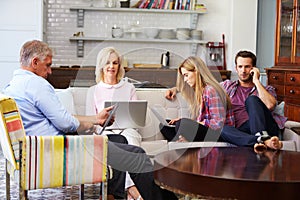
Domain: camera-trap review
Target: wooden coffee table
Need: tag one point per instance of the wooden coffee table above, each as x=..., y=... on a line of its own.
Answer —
x=230, y=173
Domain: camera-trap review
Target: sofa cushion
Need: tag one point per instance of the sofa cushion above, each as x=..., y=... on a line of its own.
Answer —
x=89, y=105
x=168, y=109
x=66, y=98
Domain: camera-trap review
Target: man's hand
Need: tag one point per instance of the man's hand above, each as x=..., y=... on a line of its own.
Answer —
x=171, y=94
x=103, y=115
x=255, y=75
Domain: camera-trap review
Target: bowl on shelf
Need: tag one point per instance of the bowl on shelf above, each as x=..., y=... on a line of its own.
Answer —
x=196, y=34
x=151, y=32
x=182, y=33
x=167, y=34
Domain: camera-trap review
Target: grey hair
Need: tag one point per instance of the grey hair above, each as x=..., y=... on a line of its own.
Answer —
x=102, y=59
x=34, y=48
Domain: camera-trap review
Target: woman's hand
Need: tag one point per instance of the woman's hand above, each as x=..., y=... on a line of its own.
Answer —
x=173, y=121
x=171, y=94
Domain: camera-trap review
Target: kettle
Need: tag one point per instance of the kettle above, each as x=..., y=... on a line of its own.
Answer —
x=165, y=60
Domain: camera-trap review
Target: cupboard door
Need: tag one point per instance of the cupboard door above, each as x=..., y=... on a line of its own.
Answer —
x=288, y=33
x=285, y=32
x=297, y=34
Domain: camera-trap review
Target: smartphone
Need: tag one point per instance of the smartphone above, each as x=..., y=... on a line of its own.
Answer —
x=251, y=75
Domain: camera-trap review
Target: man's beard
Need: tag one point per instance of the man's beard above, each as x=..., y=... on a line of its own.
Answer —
x=246, y=80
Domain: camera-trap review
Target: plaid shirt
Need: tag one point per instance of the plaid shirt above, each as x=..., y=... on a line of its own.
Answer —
x=231, y=87
x=213, y=113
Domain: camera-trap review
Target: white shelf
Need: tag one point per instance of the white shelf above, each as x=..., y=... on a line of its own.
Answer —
x=88, y=8
x=81, y=9
x=80, y=23
x=144, y=40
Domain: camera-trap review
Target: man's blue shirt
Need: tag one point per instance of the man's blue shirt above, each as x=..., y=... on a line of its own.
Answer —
x=41, y=110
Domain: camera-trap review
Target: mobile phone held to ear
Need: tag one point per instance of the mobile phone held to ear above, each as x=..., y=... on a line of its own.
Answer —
x=251, y=74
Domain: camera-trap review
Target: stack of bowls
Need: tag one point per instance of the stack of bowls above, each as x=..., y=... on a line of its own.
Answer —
x=196, y=34
x=183, y=33
x=167, y=34
x=151, y=32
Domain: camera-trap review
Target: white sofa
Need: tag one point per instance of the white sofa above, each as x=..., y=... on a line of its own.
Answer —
x=75, y=100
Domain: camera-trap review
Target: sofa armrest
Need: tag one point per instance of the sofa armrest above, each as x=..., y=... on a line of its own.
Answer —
x=291, y=124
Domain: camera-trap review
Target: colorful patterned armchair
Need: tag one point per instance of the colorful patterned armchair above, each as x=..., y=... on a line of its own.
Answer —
x=49, y=161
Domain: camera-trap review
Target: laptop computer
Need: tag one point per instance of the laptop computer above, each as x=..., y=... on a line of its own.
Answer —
x=130, y=114
x=160, y=118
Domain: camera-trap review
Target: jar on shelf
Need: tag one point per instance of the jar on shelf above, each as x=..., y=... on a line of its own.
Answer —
x=110, y=3
x=125, y=3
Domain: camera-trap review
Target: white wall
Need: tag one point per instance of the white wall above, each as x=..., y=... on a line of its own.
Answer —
x=235, y=18
x=243, y=29
x=20, y=20
x=266, y=34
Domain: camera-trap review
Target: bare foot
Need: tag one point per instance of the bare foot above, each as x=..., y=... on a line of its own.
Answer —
x=133, y=193
x=260, y=148
x=273, y=143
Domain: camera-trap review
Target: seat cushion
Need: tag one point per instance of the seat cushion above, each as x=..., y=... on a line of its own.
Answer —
x=55, y=161
x=11, y=131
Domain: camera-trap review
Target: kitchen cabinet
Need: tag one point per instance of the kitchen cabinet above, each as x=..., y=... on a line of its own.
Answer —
x=287, y=50
x=287, y=86
x=80, y=23
x=85, y=77
x=285, y=74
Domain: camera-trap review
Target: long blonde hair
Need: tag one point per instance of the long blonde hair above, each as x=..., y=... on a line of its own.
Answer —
x=203, y=77
x=102, y=59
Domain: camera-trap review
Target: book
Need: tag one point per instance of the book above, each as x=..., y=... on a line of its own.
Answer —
x=187, y=6
x=183, y=4
x=192, y=4
x=150, y=4
x=166, y=4
x=180, y=4
x=161, y=4
x=176, y=5
x=142, y=4
x=137, y=4
x=171, y=4
x=146, y=4
x=154, y=4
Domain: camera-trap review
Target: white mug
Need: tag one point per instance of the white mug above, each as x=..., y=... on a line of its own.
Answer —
x=116, y=32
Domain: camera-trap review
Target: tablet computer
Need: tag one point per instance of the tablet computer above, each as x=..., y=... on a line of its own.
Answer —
x=111, y=114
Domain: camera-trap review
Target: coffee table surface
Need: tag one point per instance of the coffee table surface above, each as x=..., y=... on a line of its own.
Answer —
x=229, y=172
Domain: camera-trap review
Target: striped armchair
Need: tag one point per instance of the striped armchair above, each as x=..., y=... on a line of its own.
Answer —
x=49, y=161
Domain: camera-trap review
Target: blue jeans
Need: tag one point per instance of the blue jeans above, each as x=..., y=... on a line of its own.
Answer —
x=260, y=119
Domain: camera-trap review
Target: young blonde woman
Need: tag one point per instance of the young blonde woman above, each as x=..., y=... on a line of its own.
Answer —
x=209, y=104
x=111, y=85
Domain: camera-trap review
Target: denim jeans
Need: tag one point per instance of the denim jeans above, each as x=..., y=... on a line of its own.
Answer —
x=260, y=119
